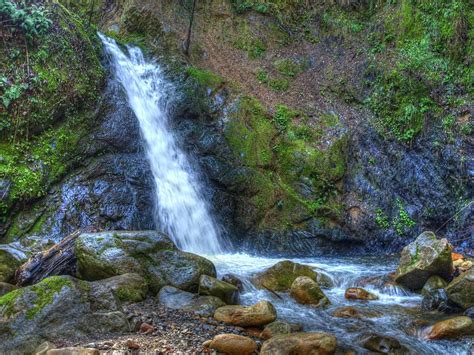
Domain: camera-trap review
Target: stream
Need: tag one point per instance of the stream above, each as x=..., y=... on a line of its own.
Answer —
x=393, y=314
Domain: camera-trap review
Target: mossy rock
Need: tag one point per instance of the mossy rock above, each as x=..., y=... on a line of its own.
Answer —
x=127, y=287
x=281, y=276
x=147, y=253
x=306, y=291
x=210, y=286
x=433, y=283
x=425, y=257
x=10, y=260
x=58, y=306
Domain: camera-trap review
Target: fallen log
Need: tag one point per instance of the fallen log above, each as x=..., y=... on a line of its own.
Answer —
x=60, y=259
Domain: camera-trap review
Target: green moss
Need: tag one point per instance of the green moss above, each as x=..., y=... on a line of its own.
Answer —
x=8, y=302
x=129, y=295
x=250, y=43
x=205, y=77
x=250, y=133
x=290, y=67
x=279, y=84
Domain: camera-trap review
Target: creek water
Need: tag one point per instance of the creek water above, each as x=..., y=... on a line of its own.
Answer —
x=183, y=213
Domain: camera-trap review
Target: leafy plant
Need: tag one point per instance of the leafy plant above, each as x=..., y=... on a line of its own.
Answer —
x=31, y=20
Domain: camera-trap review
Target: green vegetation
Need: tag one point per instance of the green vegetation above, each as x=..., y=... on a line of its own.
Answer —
x=254, y=47
x=47, y=87
x=205, y=77
x=279, y=84
x=290, y=67
x=402, y=223
x=31, y=19
x=381, y=219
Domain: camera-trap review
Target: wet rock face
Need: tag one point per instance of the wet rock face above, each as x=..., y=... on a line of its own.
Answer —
x=425, y=257
x=111, y=189
x=59, y=306
x=461, y=289
x=437, y=300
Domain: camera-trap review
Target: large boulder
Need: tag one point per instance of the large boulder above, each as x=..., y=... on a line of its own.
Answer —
x=210, y=286
x=461, y=289
x=258, y=314
x=280, y=276
x=300, y=344
x=58, y=306
x=10, y=259
x=425, y=257
x=450, y=328
x=174, y=298
x=232, y=344
x=148, y=253
x=306, y=291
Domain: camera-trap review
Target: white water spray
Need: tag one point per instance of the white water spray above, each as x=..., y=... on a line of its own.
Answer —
x=181, y=210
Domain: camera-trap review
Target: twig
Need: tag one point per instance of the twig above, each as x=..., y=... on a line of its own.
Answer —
x=453, y=216
x=271, y=291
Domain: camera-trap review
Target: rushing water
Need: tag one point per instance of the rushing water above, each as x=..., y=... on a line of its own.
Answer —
x=396, y=313
x=181, y=211
x=184, y=215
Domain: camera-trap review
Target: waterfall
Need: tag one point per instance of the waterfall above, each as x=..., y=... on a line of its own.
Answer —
x=182, y=212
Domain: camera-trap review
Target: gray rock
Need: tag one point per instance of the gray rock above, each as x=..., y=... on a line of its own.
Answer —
x=233, y=280
x=174, y=298
x=382, y=344
x=126, y=287
x=461, y=289
x=425, y=257
x=433, y=283
x=210, y=286
x=437, y=300
x=147, y=253
x=59, y=306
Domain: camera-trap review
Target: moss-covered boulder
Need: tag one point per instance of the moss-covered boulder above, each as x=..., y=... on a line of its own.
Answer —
x=59, y=306
x=10, y=259
x=147, y=253
x=306, y=291
x=6, y=288
x=127, y=287
x=210, y=286
x=275, y=328
x=461, y=290
x=256, y=315
x=174, y=298
x=280, y=276
x=425, y=257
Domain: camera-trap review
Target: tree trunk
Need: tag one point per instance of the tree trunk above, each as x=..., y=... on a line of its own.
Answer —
x=187, y=44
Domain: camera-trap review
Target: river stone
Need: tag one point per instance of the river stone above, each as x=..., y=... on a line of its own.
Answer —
x=437, y=300
x=274, y=329
x=450, y=328
x=148, y=253
x=425, y=257
x=210, y=286
x=258, y=314
x=127, y=287
x=469, y=312
x=174, y=298
x=233, y=344
x=307, y=291
x=6, y=287
x=357, y=293
x=434, y=283
x=461, y=289
x=233, y=280
x=57, y=307
x=346, y=312
x=10, y=259
x=300, y=344
x=280, y=276
x=382, y=344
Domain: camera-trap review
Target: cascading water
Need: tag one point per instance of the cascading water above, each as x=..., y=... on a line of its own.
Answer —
x=182, y=212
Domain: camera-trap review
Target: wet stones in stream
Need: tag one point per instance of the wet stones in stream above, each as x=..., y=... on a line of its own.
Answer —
x=382, y=344
x=232, y=344
x=357, y=293
x=300, y=343
x=306, y=291
x=281, y=276
x=210, y=286
x=450, y=328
